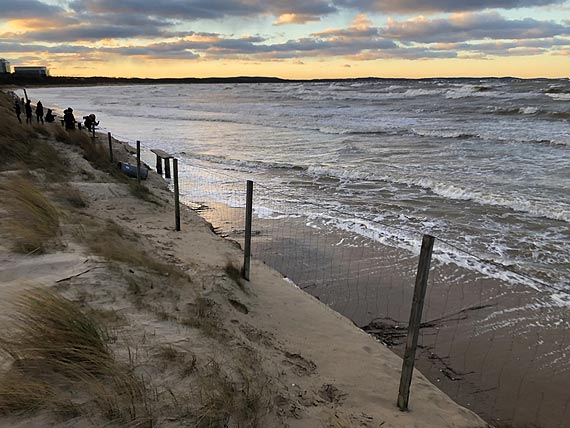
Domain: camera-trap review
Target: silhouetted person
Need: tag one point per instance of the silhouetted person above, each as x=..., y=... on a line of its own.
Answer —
x=28, y=108
x=69, y=119
x=90, y=121
x=50, y=117
x=18, y=110
x=40, y=112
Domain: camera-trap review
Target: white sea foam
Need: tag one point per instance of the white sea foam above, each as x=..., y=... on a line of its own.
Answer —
x=563, y=97
x=528, y=110
x=442, y=133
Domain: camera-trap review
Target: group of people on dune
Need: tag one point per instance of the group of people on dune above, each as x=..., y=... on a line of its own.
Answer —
x=68, y=117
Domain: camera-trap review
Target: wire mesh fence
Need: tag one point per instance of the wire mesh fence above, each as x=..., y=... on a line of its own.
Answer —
x=494, y=340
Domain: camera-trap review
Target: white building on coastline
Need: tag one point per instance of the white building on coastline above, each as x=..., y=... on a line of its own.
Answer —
x=5, y=66
x=31, y=71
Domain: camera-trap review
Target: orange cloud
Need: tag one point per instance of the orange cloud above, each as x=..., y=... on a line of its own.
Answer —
x=295, y=18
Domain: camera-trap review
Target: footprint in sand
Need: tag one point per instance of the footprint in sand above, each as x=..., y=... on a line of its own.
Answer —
x=299, y=365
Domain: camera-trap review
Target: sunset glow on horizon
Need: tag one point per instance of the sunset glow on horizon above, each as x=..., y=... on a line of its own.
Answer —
x=289, y=39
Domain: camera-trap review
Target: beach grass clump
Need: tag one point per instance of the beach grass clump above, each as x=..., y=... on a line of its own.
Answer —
x=19, y=146
x=20, y=394
x=202, y=315
x=142, y=192
x=41, y=129
x=51, y=332
x=72, y=137
x=32, y=222
x=58, y=351
x=239, y=400
x=72, y=197
x=113, y=244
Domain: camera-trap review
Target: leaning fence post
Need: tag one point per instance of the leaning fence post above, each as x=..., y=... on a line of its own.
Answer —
x=110, y=147
x=176, y=194
x=247, y=244
x=415, y=321
x=138, y=162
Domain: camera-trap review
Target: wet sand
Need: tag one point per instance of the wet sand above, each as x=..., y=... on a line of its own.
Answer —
x=496, y=348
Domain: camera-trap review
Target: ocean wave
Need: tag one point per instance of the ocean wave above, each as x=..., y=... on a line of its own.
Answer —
x=443, y=133
x=465, y=91
x=562, y=97
x=420, y=92
x=238, y=163
x=452, y=191
x=530, y=110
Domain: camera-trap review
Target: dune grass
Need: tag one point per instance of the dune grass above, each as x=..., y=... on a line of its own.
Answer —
x=20, y=145
x=58, y=351
x=226, y=401
x=51, y=330
x=33, y=222
x=112, y=243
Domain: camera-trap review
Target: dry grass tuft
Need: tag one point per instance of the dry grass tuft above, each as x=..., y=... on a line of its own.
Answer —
x=72, y=137
x=227, y=402
x=58, y=351
x=61, y=135
x=72, y=197
x=112, y=244
x=140, y=191
x=19, y=395
x=41, y=129
x=33, y=222
x=234, y=274
x=203, y=316
x=50, y=331
x=19, y=144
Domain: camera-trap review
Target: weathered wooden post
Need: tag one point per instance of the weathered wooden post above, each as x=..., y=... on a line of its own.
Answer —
x=176, y=194
x=158, y=165
x=167, y=168
x=138, y=162
x=247, y=244
x=110, y=147
x=415, y=321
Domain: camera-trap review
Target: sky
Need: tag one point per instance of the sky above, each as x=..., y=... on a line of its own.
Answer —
x=297, y=39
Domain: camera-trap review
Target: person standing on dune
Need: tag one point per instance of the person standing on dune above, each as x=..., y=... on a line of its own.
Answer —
x=40, y=112
x=18, y=110
x=28, y=108
x=69, y=119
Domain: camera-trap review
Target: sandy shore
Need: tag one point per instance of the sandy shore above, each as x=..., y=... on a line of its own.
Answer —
x=293, y=360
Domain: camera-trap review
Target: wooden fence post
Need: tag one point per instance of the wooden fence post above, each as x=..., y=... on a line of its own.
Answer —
x=247, y=244
x=110, y=147
x=415, y=321
x=138, y=162
x=167, y=168
x=176, y=194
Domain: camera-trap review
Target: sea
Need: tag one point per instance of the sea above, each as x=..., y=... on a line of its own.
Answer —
x=481, y=164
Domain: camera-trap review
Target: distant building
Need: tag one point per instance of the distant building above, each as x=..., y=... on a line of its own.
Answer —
x=31, y=71
x=5, y=66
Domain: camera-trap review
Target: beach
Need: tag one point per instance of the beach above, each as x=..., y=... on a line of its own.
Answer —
x=493, y=333
x=180, y=319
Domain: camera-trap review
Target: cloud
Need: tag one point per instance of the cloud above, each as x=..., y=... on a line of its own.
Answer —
x=433, y=6
x=96, y=29
x=10, y=9
x=295, y=18
x=471, y=26
x=209, y=9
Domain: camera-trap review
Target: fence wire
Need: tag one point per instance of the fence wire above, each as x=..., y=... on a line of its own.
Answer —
x=495, y=341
